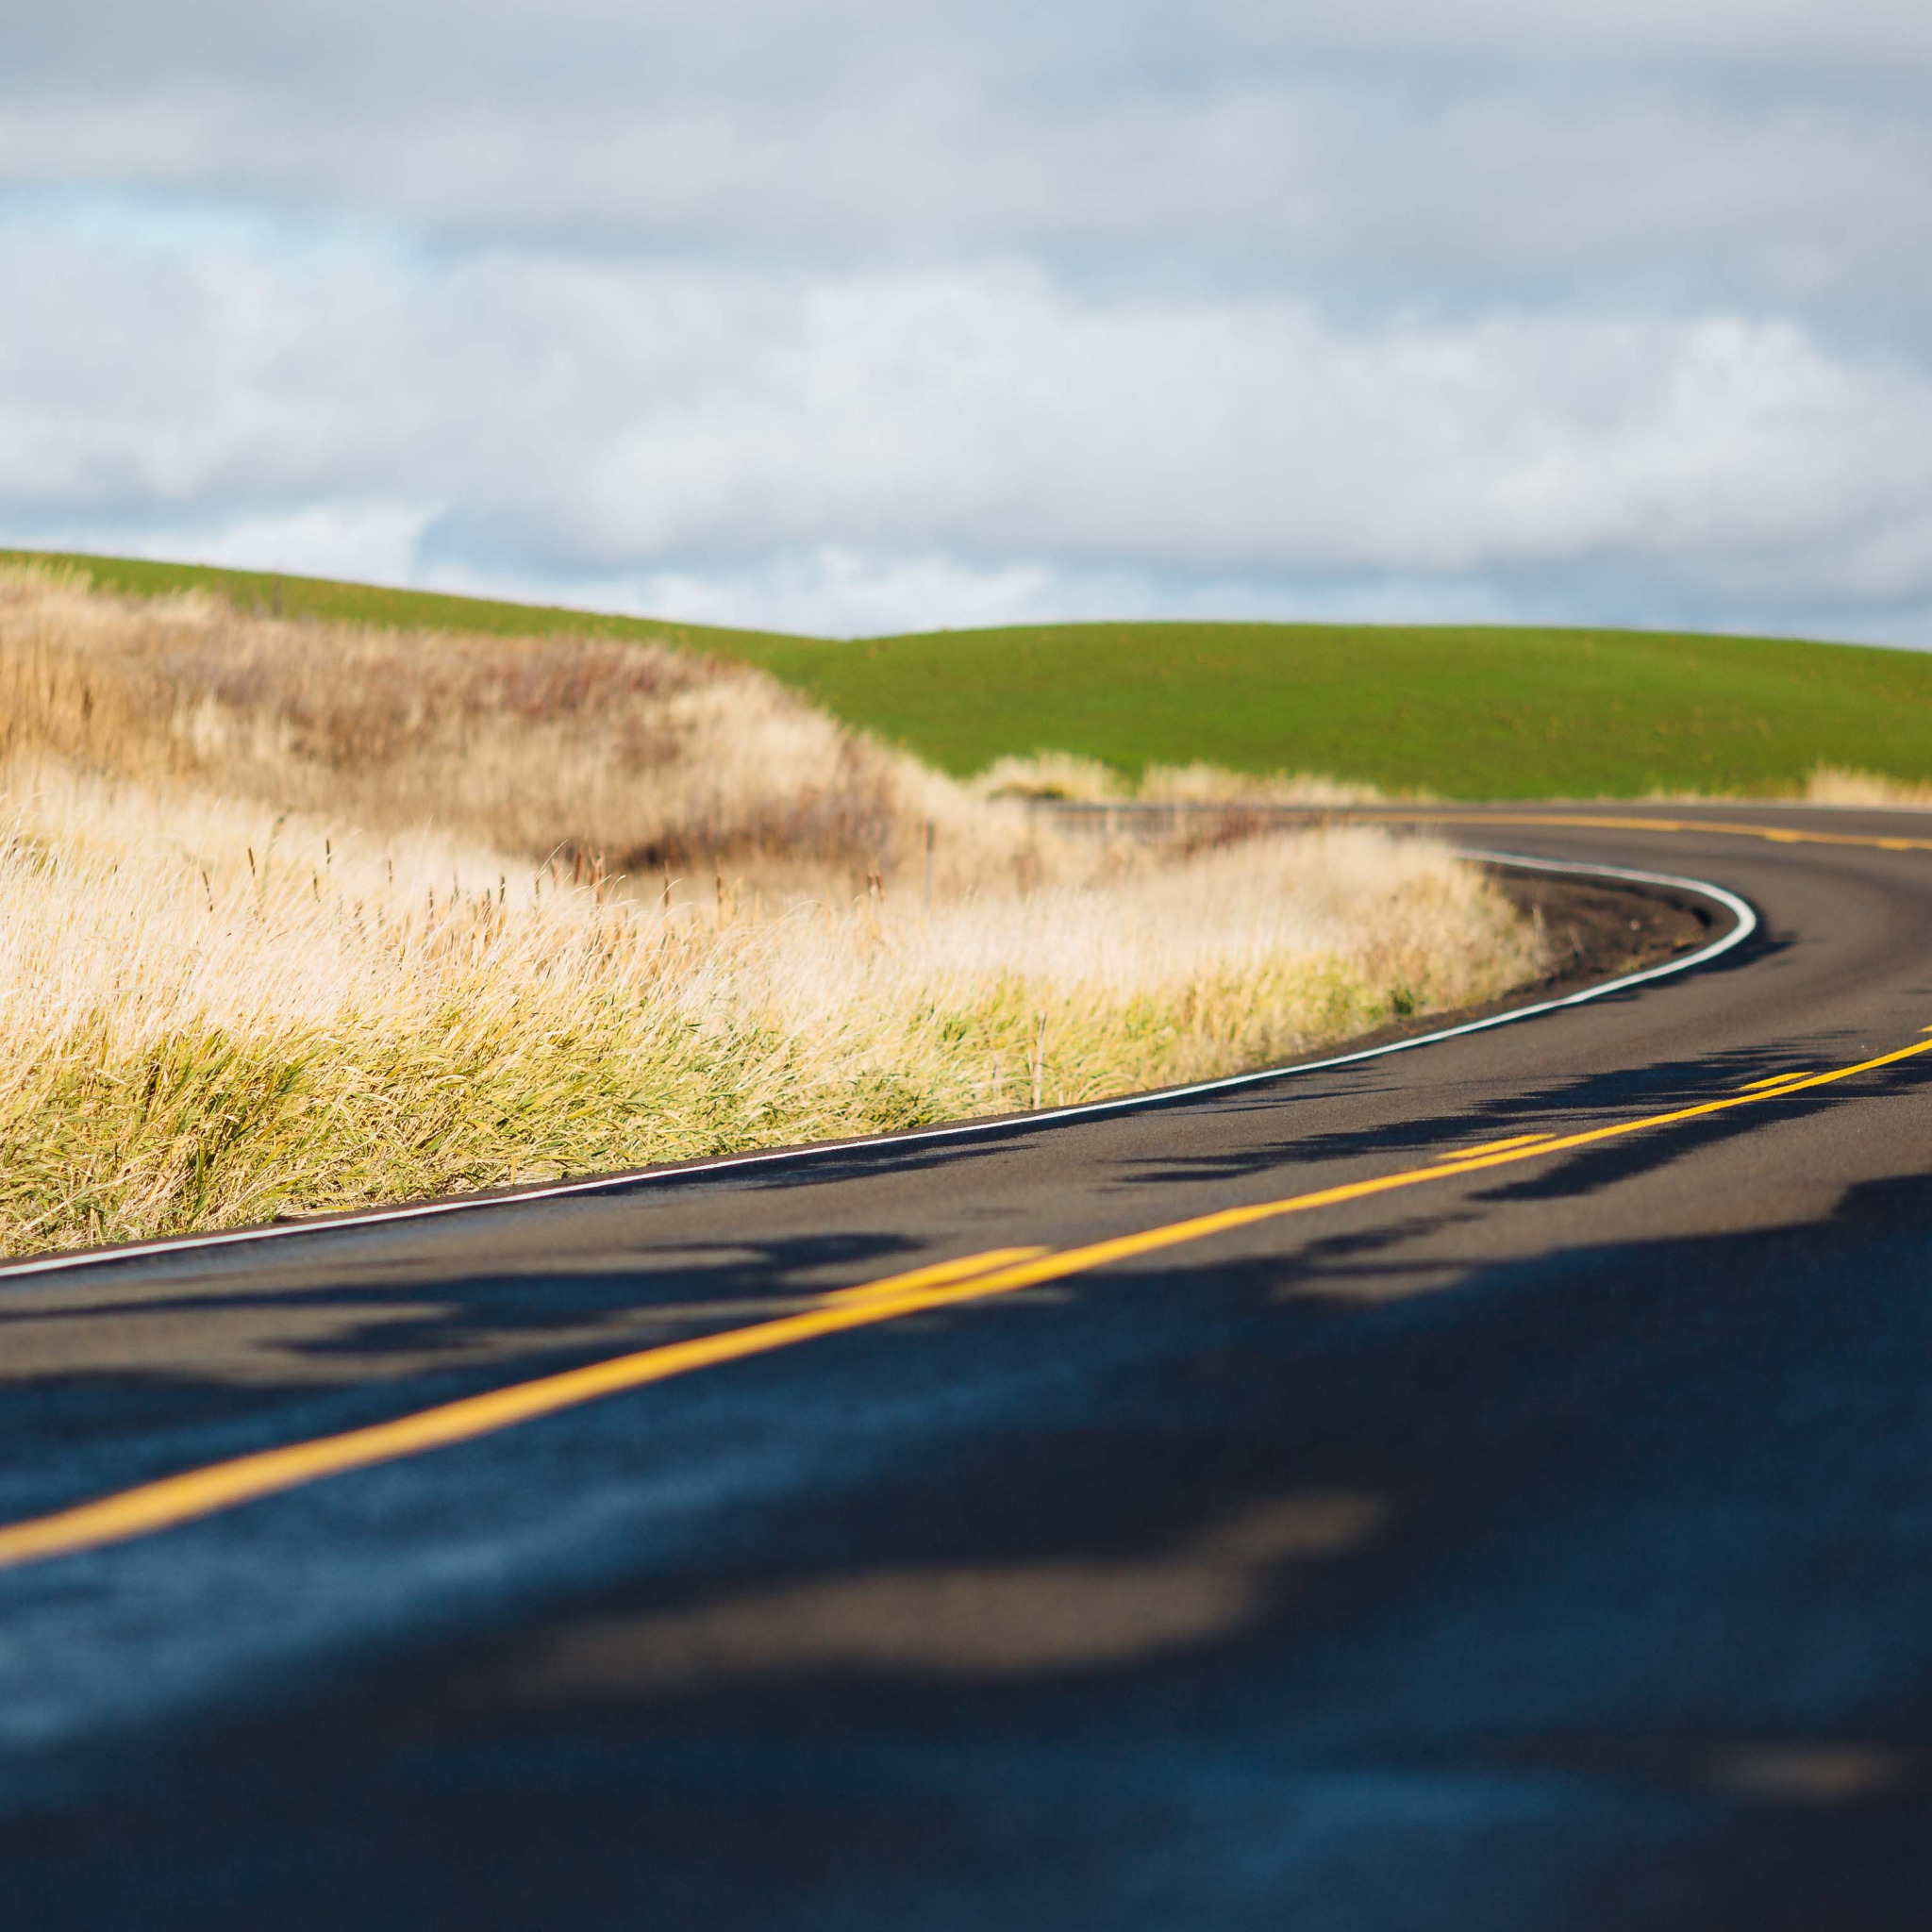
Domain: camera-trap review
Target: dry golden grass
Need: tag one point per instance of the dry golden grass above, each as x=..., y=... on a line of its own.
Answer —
x=1836, y=785
x=630, y=759
x=1089, y=781
x=267, y=947
x=1822, y=785
x=1204, y=784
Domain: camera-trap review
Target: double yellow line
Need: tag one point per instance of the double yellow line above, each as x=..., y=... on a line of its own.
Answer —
x=198, y=1493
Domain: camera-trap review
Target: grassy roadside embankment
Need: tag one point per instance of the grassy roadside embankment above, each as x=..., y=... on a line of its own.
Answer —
x=298, y=916
x=1456, y=712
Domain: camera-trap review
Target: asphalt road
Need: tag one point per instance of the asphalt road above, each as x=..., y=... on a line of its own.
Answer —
x=1529, y=1540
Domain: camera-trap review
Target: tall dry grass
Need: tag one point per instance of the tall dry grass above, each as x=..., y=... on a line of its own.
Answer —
x=1841, y=785
x=1823, y=784
x=1070, y=776
x=224, y=1005
x=632, y=759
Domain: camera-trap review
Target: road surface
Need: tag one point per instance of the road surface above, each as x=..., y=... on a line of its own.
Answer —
x=1483, y=1487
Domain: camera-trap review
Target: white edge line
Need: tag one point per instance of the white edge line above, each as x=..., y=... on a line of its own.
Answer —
x=1738, y=909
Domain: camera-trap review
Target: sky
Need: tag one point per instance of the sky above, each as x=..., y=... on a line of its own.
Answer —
x=850, y=319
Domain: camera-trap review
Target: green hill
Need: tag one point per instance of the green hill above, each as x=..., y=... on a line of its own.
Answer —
x=282, y=595
x=1463, y=712
x=1468, y=713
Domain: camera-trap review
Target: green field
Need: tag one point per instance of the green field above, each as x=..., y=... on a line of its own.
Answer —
x=1461, y=712
x=1491, y=713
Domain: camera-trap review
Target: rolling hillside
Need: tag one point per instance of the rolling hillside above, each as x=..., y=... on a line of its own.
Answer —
x=1461, y=712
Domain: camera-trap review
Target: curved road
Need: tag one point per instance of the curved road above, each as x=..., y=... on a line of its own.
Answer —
x=1257, y=1510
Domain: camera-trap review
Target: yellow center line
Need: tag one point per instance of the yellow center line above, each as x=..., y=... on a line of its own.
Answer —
x=193, y=1493
x=1774, y=1080
x=1777, y=834
x=196, y=1492
x=938, y=1276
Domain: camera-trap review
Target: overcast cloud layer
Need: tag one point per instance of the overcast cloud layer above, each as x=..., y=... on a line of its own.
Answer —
x=811, y=317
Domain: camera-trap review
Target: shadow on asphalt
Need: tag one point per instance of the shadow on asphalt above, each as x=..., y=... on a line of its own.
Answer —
x=1573, y=1104
x=1635, y=1638
x=108, y=1386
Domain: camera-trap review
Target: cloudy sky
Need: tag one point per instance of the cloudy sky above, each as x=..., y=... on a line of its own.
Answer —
x=855, y=317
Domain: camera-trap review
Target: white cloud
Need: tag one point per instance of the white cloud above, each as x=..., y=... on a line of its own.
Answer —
x=828, y=314
x=939, y=445
x=1703, y=153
